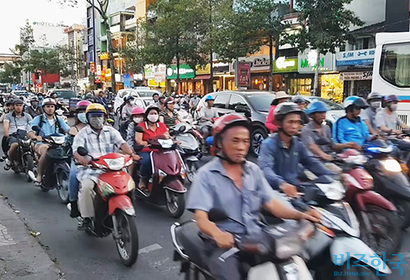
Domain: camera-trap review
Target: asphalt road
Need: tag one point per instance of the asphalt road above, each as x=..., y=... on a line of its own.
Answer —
x=80, y=256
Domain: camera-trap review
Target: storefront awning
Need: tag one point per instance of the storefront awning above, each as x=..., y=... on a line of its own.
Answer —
x=202, y=77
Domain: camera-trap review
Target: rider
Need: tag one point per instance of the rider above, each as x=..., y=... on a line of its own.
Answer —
x=238, y=187
x=98, y=139
x=128, y=107
x=14, y=121
x=387, y=119
x=137, y=118
x=351, y=128
x=161, y=103
x=301, y=101
x=152, y=128
x=49, y=124
x=270, y=123
x=74, y=184
x=317, y=136
x=369, y=115
x=155, y=97
x=207, y=116
x=282, y=152
x=34, y=110
x=169, y=116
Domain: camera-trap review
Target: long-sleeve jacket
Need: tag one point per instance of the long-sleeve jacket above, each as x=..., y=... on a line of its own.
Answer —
x=270, y=120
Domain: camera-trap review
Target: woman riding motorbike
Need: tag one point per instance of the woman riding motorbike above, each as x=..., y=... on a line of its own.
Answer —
x=169, y=116
x=152, y=128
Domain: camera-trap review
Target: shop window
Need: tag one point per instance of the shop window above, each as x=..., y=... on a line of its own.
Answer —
x=236, y=100
x=303, y=86
x=221, y=100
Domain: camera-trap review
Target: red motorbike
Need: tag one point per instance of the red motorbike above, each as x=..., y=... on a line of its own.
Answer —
x=114, y=210
x=379, y=223
x=166, y=183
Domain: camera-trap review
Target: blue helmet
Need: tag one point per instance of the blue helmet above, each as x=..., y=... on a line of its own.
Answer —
x=355, y=100
x=209, y=98
x=316, y=107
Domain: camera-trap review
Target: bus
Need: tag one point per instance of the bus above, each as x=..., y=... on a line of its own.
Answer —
x=391, y=69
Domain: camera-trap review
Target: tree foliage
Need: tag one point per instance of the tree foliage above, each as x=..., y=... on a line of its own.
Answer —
x=10, y=73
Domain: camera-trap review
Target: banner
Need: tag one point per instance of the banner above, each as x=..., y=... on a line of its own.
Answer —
x=243, y=74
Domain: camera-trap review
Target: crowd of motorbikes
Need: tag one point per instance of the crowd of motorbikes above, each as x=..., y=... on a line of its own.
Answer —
x=364, y=209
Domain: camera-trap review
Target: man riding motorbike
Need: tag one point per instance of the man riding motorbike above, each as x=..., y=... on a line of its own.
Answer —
x=206, y=116
x=387, y=119
x=238, y=187
x=369, y=115
x=14, y=121
x=98, y=139
x=49, y=124
x=282, y=152
x=34, y=110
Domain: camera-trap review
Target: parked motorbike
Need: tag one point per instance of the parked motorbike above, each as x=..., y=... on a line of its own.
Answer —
x=114, y=210
x=166, y=183
x=389, y=179
x=188, y=148
x=287, y=242
x=57, y=170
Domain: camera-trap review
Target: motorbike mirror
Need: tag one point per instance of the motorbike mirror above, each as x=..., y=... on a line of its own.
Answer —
x=139, y=129
x=217, y=215
x=82, y=151
x=240, y=108
x=36, y=128
x=182, y=128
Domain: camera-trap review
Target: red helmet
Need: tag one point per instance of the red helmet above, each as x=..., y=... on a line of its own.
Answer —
x=228, y=121
x=137, y=111
x=82, y=105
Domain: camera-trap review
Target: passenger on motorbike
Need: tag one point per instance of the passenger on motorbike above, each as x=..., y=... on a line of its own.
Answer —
x=155, y=97
x=238, y=187
x=369, y=115
x=74, y=184
x=14, y=121
x=169, y=116
x=351, y=128
x=270, y=123
x=206, y=116
x=49, y=124
x=34, y=110
x=152, y=128
x=128, y=107
x=161, y=103
x=387, y=119
x=137, y=116
x=8, y=108
x=98, y=139
x=283, y=152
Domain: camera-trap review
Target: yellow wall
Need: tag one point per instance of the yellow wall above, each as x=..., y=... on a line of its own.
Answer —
x=142, y=7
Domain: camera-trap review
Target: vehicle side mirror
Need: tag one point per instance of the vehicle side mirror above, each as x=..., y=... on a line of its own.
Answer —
x=243, y=109
x=182, y=128
x=217, y=215
x=36, y=128
x=139, y=129
x=82, y=151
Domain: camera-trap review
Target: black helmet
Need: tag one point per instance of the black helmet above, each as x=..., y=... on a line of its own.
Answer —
x=149, y=108
x=374, y=95
x=299, y=99
x=286, y=108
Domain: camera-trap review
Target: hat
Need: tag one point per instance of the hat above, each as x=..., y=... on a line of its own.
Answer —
x=279, y=95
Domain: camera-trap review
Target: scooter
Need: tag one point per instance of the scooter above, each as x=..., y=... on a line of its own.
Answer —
x=380, y=226
x=166, y=183
x=389, y=179
x=287, y=240
x=336, y=248
x=188, y=148
x=114, y=210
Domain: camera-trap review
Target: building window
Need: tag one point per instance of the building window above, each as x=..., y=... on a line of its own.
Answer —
x=303, y=86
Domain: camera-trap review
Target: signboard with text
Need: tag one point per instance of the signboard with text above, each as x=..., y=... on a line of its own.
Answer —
x=259, y=63
x=308, y=60
x=185, y=72
x=356, y=76
x=285, y=65
x=358, y=57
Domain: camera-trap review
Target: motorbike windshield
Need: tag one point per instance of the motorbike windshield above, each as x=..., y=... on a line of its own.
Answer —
x=188, y=141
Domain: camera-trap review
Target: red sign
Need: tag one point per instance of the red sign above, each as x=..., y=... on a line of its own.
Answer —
x=92, y=67
x=244, y=74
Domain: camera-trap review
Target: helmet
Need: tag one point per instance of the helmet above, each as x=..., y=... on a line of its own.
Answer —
x=316, y=107
x=209, y=98
x=17, y=101
x=137, y=111
x=286, y=108
x=391, y=98
x=49, y=101
x=228, y=121
x=8, y=103
x=82, y=105
x=356, y=101
x=149, y=108
x=279, y=95
x=155, y=93
x=89, y=95
x=374, y=95
x=34, y=98
x=128, y=98
x=95, y=108
x=169, y=100
x=299, y=99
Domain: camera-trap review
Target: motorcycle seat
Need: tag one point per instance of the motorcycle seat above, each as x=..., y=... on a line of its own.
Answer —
x=188, y=239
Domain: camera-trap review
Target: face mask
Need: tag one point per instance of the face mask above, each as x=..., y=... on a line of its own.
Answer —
x=153, y=118
x=82, y=118
x=137, y=119
x=393, y=107
x=375, y=104
x=97, y=122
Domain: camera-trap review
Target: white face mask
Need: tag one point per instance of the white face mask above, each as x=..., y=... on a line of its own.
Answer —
x=137, y=119
x=393, y=107
x=153, y=118
x=375, y=104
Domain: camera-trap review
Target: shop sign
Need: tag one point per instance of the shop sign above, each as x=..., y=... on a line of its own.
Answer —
x=98, y=69
x=259, y=63
x=282, y=65
x=308, y=60
x=104, y=56
x=157, y=72
x=152, y=83
x=220, y=67
x=243, y=74
x=92, y=67
x=358, y=57
x=356, y=76
x=185, y=72
x=148, y=72
x=203, y=69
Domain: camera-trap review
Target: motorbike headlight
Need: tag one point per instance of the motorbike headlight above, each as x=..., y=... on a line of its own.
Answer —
x=115, y=163
x=106, y=189
x=25, y=143
x=59, y=140
x=131, y=185
x=391, y=165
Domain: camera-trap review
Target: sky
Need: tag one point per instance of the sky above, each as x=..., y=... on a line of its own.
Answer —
x=15, y=12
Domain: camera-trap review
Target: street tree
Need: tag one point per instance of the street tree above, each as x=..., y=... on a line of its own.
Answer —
x=23, y=49
x=10, y=73
x=325, y=27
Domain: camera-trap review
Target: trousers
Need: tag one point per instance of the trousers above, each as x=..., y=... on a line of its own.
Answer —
x=86, y=198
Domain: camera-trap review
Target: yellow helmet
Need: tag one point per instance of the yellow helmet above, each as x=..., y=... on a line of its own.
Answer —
x=95, y=108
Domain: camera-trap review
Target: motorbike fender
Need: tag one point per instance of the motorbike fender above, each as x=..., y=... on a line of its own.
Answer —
x=62, y=166
x=175, y=186
x=395, y=184
x=373, y=198
x=117, y=179
x=122, y=202
x=191, y=158
x=294, y=269
x=356, y=248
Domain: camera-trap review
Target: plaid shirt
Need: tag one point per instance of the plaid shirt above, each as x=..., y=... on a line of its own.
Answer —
x=107, y=141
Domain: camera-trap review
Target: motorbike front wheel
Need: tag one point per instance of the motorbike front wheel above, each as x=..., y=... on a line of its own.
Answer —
x=175, y=203
x=62, y=186
x=192, y=167
x=127, y=243
x=403, y=210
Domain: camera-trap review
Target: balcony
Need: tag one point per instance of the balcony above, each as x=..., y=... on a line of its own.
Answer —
x=115, y=28
x=130, y=24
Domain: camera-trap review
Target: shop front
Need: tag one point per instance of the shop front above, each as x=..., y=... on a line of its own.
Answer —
x=155, y=76
x=285, y=74
x=186, y=77
x=259, y=71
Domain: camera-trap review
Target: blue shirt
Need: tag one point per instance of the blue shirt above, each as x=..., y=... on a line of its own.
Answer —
x=213, y=188
x=48, y=129
x=345, y=131
x=280, y=164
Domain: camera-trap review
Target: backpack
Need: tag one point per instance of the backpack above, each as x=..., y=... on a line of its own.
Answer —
x=57, y=124
x=123, y=128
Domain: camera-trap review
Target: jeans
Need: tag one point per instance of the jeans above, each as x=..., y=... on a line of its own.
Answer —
x=146, y=167
x=74, y=184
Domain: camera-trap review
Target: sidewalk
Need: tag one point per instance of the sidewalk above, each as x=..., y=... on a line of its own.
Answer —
x=21, y=256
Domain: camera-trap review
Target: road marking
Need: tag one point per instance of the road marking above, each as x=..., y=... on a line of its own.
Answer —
x=5, y=238
x=150, y=248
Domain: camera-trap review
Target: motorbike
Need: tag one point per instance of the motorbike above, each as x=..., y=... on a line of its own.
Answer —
x=25, y=156
x=336, y=243
x=379, y=223
x=389, y=179
x=114, y=210
x=189, y=148
x=57, y=170
x=166, y=183
x=280, y=261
